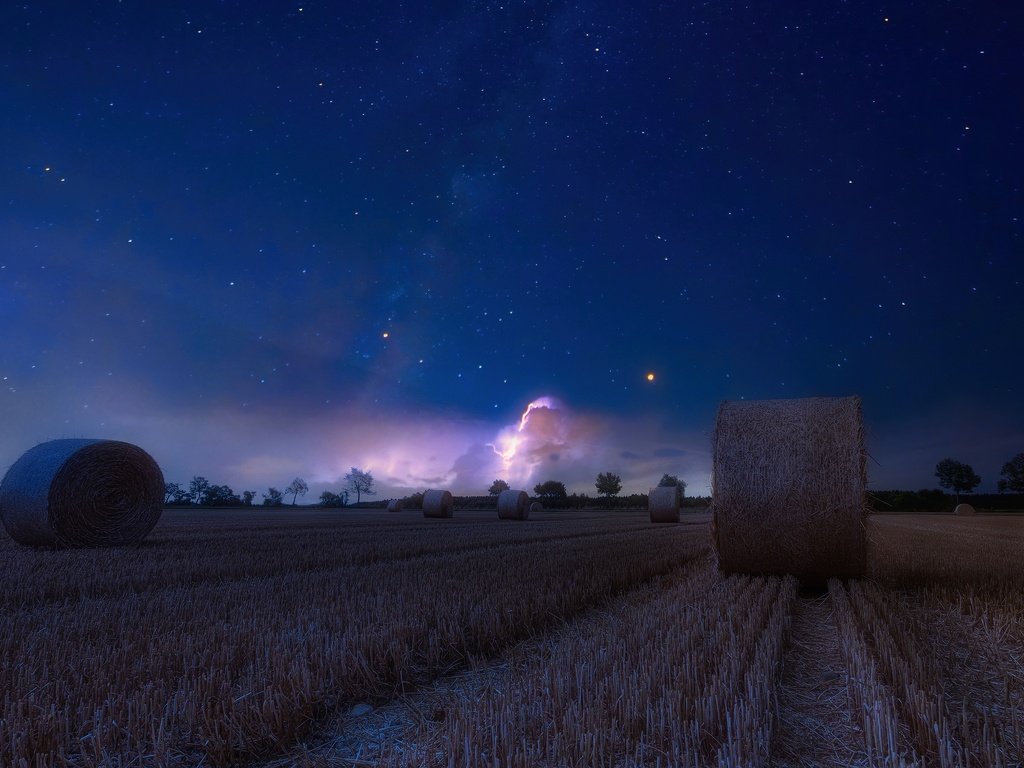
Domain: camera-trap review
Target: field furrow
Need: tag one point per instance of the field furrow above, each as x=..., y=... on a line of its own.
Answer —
x=34, y=577
x=887, y=741
x=817, y=725
x=592, y=639
x=679, y=672
x=219, y=672
x=980, y=666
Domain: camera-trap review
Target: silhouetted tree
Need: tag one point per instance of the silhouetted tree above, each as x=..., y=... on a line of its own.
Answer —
x=956, y=476
x=550, y=489
x=328, y=499
x=171, y=492
x=608, y=484
x=497, y=487
x=247, y=497
x=197, y=489
x=361, y=482
x=273, y=498
x=297, y=488
x=667, y=481
x=1013, y=475
x=220, y=496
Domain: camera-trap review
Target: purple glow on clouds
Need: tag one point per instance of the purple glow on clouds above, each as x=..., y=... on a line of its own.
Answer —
x=408, y=451
x=405, y=451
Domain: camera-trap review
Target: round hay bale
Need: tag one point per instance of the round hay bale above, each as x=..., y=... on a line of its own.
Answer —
x=438, y=504
x=788, y=487
x=663, y=504
x=536, y=507
x=395, y=505
x=513, y=505
x=964, y=509
x=82, y=493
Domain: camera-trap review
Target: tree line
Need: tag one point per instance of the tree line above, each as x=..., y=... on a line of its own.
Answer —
x=608, y=484
x=202, y=493
x=959, y=477
x=952, y=475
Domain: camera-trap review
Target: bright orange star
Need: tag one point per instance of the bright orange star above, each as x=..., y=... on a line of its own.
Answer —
x=650, y=376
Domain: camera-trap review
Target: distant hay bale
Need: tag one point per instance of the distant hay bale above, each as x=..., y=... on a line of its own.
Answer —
x=395, y=505
x=82, y=493
x=438, y=504
x=536, y=507
x=964, y=509
x=663, y=504
x=788, y=487
x=513, y=505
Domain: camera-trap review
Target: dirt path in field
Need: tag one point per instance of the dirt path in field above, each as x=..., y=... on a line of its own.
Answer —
x=356, y=735
x=815, y=727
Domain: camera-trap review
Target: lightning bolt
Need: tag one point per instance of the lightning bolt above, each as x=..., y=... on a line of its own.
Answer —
x=508, y=441
x=540, y=402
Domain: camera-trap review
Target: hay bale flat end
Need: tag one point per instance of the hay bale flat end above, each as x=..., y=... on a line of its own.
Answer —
x=788, y=486
x=513, y=505
x=663, y=504
x=82, y=493
x=438, y=504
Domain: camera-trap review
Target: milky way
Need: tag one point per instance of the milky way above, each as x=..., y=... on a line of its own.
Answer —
x=279, y=239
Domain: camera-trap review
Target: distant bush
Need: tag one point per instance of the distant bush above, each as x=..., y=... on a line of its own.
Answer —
x=925, y=500
x=696, y=501
x=571, y=501
x=933, y=500
x=476, y=502
x=996, y=502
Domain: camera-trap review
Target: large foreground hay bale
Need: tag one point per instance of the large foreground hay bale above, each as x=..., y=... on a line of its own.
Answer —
x=964, y=509
x=536, y=507
x=438, y=504
x=663, y=504
x=395, y=505
x=513, y=505
x=788, y=487
x=82, y=493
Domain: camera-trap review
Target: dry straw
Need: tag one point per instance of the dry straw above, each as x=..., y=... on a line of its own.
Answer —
x=964, y=509
x=788, y=487
x=82, y=493
x=513, y=505
x=395, y=505
x=437, y=504
x=663, y=504
x=536, y=507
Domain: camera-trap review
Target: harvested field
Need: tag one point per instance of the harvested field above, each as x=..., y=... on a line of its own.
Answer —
x=373, y=638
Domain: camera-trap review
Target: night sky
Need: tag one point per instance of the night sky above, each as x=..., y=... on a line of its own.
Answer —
x=264, y=240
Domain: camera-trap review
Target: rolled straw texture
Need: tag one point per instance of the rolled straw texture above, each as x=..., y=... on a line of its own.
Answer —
x=964, y=509
x=395, y=505
x=437, y=504
x=663, y=504
x=82, y=493
x=536, y=507
x=513, y=505
x=788, y=487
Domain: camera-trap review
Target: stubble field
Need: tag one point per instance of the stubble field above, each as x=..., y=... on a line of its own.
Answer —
x=340, y=639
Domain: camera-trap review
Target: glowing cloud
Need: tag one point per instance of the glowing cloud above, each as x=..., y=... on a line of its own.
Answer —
x=545, y=433
x=251, y=449
x=509, y=438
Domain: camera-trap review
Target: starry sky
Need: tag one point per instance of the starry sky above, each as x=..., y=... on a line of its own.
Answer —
x=273, y=239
